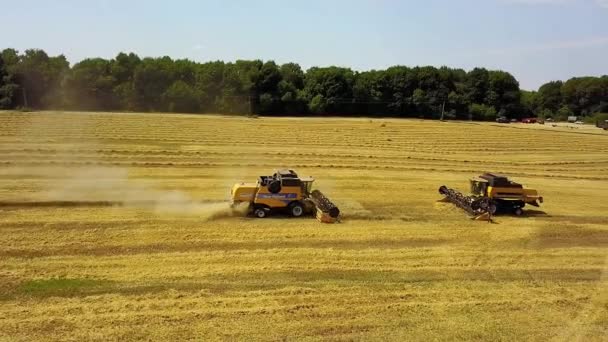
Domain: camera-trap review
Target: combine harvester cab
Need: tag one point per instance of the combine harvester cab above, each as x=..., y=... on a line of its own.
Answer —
x=285, y=191
x=492, y=194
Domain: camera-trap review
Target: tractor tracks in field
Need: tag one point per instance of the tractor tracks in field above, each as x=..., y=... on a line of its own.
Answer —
x=592, y=311
x=225, y=246
x=57, y=204
x=164, y=153
x=198, y=165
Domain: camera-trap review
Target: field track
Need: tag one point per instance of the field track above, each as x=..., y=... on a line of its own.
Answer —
x=114, y=227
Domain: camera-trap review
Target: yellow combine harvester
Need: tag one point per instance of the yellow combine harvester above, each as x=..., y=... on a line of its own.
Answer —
x=492, y=194
x=284, y=191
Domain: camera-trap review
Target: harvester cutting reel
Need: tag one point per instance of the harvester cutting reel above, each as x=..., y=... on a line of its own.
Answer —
x=480, y=208
x=325, y=210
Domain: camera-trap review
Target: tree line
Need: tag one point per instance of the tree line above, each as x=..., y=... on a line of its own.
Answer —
x=35, y=80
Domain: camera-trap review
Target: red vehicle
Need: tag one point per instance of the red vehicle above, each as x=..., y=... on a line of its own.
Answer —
x=529, y=120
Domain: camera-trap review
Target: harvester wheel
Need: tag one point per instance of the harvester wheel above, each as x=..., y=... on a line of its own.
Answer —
x=296, y=209
x=260, y=212
x=492, y=208
x=518, y=211
x=274, y=187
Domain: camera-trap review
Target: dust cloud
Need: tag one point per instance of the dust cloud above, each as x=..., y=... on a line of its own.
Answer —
x=113, y=186
x=101, y=185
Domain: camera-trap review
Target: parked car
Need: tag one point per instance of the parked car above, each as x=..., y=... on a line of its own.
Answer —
x=549, y=120
x=502, y=119
x=529, y=120
x=513, y=120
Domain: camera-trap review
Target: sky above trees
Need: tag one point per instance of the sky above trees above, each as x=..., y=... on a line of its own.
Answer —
x=536, y=40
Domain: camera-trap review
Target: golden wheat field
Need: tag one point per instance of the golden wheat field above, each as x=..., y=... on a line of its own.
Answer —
x=115, y=227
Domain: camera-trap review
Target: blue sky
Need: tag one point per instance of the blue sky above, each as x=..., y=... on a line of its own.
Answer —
x=536, y=40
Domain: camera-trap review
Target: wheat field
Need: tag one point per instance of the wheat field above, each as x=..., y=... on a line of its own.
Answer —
x=115, y=227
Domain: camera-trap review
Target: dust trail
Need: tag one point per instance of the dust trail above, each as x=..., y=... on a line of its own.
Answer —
x=103, y=186
x=112, y=185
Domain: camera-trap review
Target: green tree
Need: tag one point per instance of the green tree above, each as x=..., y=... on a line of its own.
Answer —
x=38, y=77
x=268, y=104
x=7, y=86
x=477, y=85
x=152, y=78
x=419, y=99
x=563, y=113
x=549, y=96
x=236, y=96
x=182, y=98
x=290, y=89
x=545, y=114
x=292, y=73
x=160, y=84
x=503, y=93
x=482, y=112
x=530, y=103
x=123, y=68
x=266, y=89
x=10, y=58
x=90, y=85
x=334, y=84
x=209, y=82
x=318, y=105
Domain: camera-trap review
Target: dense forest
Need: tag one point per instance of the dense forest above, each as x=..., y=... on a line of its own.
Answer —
x=35, y=80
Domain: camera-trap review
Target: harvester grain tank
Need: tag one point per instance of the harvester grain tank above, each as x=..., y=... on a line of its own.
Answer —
x=492, y=194
x=285, y=191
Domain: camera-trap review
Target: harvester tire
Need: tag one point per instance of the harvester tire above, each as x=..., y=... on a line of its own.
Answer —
x=296, y=209
x=274, y=187
x=260, y=212
x=492, y=208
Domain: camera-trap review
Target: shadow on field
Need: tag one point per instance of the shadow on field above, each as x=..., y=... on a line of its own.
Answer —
x=535, y=213
x=276, y=280
x=569, y=236
x=206, y=246
x=61, y=287
x=581, y=219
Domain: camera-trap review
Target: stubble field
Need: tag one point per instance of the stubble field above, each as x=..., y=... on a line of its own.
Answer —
x=114, y=227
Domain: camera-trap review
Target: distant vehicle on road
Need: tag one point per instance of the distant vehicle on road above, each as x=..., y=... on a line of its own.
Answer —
x=602, y=124
x=502, y=119
x=529, y=120
x=579, y=122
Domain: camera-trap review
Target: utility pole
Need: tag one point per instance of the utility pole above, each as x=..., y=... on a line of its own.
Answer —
x=442, y=110
x=24, y=93
x=250, y=106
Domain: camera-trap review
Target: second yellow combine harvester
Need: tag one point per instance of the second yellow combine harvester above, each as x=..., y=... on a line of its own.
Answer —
x=492, y=194
x=284, y=191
